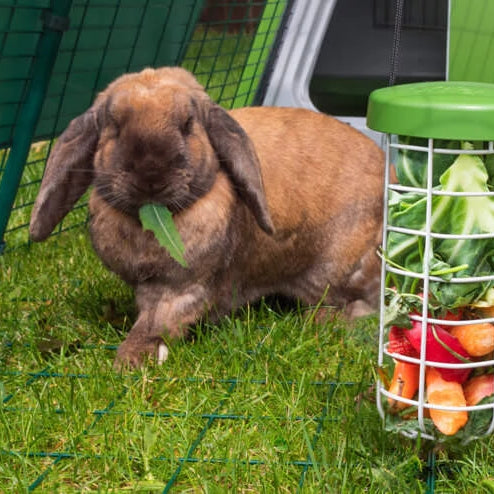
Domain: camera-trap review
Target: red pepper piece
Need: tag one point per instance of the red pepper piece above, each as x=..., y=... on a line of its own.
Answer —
x=442, y=347
x=457, y=315
x=398, y=343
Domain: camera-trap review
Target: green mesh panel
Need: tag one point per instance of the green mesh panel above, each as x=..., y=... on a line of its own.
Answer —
x=225, y=43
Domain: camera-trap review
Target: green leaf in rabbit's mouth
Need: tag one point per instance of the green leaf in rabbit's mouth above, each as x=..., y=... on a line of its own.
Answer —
x=159, y=220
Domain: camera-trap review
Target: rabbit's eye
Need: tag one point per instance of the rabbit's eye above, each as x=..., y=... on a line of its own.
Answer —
x=112, y=128
x=187, y=126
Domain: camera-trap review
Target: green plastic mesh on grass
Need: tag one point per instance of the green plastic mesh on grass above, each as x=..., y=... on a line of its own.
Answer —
x=225, y=43
x=66, y=430
x=181, y=423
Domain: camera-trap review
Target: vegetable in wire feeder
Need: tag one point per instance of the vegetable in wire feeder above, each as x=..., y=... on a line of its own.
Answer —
x=400, y=344
x=405, y=383
x=476, y=339
x=477, y=388
x=159, y=220
x=405, y=336
x=457, y=215
x=450, y=215
x=441, y=347
x=411, y=165
x=445, y=393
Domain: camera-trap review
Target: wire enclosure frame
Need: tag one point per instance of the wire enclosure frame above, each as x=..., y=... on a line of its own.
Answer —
x=424, y=278
x=226, y=44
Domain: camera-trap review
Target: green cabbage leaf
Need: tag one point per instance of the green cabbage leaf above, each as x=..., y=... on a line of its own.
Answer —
x=461, y=215
x=411, y=164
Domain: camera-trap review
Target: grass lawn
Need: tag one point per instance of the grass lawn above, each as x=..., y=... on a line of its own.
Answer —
x=268, y=401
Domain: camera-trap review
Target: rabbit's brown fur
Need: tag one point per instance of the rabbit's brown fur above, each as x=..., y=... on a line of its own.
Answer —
x=267, y=200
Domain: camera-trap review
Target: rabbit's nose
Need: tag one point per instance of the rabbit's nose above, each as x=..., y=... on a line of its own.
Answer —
x=155, y=186
x=152, y=178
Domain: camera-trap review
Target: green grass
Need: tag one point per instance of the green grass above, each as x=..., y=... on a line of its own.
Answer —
x=266, y=401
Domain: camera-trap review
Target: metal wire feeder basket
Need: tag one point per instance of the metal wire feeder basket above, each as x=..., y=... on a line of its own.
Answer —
x=432, y=131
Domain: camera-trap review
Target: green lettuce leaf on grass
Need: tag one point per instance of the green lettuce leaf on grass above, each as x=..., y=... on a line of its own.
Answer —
x=159, y=220
x=450, y=215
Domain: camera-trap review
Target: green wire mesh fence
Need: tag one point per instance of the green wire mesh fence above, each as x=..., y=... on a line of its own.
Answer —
x=216, y=423
x=56, y=55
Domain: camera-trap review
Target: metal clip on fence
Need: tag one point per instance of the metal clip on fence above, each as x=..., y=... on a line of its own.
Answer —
x=428, y=126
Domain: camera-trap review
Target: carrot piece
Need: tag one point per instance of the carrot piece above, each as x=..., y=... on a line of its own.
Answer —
x=476, y=339
x=445, y=393
x=477, y=388
x=404, y=383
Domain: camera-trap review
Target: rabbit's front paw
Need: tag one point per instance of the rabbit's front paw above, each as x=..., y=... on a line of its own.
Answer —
x=131, y=354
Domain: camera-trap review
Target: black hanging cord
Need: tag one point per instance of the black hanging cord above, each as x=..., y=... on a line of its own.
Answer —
x=396, y=42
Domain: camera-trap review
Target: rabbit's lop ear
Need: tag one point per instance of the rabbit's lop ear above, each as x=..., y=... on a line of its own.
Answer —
x=68, y=173
x=238, y=157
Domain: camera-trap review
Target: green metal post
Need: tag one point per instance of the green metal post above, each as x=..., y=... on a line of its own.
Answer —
x=55, y=22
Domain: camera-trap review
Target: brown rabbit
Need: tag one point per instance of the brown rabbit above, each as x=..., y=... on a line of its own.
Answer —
x=266, y=200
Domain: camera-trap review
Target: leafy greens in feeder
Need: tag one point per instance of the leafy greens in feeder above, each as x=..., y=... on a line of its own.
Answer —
x=450, y=257
x=454, y=215
x=411, y=165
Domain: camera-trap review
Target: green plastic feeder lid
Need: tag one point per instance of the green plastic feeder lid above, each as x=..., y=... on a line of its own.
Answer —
x=438, y=110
